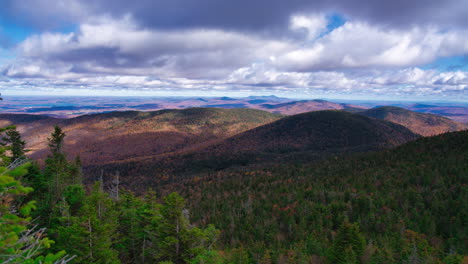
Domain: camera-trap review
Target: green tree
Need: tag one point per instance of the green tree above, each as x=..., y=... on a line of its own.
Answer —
x=177, y=240
x=56, y=141
x=91, y=233
x=12, y=146
x=348, y=245
x=17, y=145
x=20, y=243
x=56, y=165
x=138, y=219
x=59, y=172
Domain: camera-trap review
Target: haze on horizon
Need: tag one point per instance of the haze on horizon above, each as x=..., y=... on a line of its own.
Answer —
x=355, y=49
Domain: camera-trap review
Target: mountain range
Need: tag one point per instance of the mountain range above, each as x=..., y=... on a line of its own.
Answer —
x=69, y=107
x=282, y=186
x=154, y=144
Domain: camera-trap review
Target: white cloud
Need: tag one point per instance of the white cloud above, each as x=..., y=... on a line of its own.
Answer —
x=106, y=45
x=314, y=25
x=106, y=52
x=384, y=82
x=360, y=45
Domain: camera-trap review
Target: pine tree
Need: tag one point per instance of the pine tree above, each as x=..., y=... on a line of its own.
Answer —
x=91, y=233
x=12, y=146
x=348, y=245
x=56, y=165
x=173, y=229
x=56, y=141
x=178, y=241
x=19, y=242
x=17, y=145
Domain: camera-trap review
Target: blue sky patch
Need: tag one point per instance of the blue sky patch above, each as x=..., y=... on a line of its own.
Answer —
x=335, y=21
x=448, y=64
x=14, y=33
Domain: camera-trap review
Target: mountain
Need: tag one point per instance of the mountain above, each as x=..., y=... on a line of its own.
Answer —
x=419, y=123
x=320, y=130
x=307, y=135
x=69, y=107
x=300, y=138
x=456, y=112
x=297, y=107
x=407, y=201
x=131, y=135
x=8, y=119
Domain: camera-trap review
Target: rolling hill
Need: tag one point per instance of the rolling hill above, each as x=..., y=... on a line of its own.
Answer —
x=299, y=138
x=419, y=123
x=119, y=136
x=298, y=107
x=409, y=198
x=69, y=107
x=304, y=136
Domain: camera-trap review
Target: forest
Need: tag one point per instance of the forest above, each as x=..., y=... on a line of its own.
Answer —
x=402, y=205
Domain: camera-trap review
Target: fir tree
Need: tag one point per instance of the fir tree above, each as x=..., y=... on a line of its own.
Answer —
x=348, y=245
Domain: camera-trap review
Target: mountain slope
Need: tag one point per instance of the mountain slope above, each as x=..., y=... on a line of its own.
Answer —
x=321, y=131
x=303, y=137
x=114, y=136
x=413, y=195
x=297, y=107
x=419, y=123
x=299, y=138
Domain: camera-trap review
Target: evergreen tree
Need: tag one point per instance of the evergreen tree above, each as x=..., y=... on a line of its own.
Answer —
x=19, y=242
x=348, y=245
x=56, y=166
x=12, y=146
x=56, y=141
x=138, y=220
x=17, y=145
x=177, y=240
x=91, y=233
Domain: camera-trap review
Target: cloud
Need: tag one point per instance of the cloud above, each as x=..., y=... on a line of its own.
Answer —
x=407, y=81
x=240, y=15
x=106, y=45
x=313, y=25
x=121, y=46
x=358, y=45
x=45, y=14
x=124, y=50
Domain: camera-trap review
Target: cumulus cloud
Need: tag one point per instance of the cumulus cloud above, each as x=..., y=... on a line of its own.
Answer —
x=382, y=82
x=358, y=44
x=120, y=46
x=240, y=14
x=240, y=45
x=313, y=25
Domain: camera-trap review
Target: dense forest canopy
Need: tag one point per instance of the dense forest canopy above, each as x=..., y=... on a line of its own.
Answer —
x=402, y=205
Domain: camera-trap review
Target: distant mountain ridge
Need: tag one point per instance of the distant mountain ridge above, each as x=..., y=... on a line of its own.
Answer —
x=420, y=123
x=300, y=138
x=131, y=134
x=184, y=141
x=297, y=107
x=69, y=107
x=312, y=134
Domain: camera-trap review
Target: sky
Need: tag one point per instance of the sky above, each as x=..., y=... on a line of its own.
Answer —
x=349, y=49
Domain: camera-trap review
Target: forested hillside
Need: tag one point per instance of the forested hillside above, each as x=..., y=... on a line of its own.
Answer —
x=419, y=123
x=382, y=202
x=48, y=216
x=133, y=135
x=300, y=138
x=408, y=204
